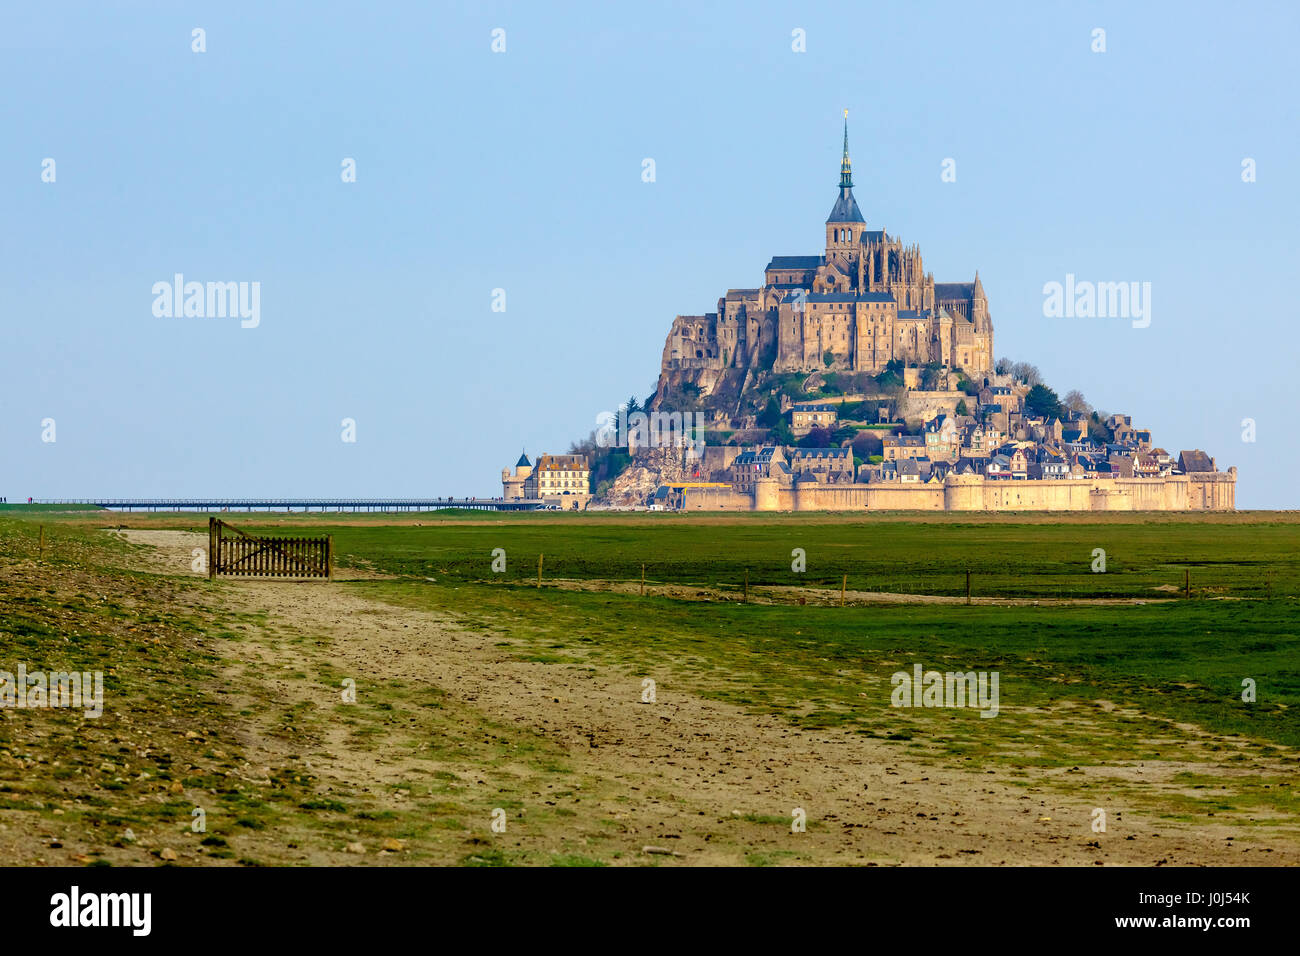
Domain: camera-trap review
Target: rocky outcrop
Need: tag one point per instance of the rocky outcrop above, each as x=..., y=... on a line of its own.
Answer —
x=650, y=469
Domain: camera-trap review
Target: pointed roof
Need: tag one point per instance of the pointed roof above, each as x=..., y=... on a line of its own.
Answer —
x=523, y=461
x=846, y=207
x=846, y=166
x=978, y=291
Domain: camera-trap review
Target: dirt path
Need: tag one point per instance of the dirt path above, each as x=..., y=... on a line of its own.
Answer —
x=701, y=779
x=786, y=594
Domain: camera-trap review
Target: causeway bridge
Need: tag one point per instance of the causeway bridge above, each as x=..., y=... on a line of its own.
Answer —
x=302, y=504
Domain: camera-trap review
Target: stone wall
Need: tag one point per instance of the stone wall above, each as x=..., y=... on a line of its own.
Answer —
x=925, y=405
x=1195, y=492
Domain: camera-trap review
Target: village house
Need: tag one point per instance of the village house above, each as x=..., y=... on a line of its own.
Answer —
x=941, y=437
x=560, y=479
x=828, y=465
x=996, y=417
x=979, y=440
x=1009, y=462
x=806, y=416
x=1049, y=466
x=896, y=447
x=1002, y=395
x=766, y=462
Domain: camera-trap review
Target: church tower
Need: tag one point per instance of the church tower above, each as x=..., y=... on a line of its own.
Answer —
x=845, y=224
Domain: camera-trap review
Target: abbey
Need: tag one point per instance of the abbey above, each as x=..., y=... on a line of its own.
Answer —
x=865, y=301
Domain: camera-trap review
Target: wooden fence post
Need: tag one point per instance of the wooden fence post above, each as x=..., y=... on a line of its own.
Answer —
x=746, y=597
x=212, y=547
x=844, y=583
x=539, y=569
x=40, y=556
x=329, y=557
x=1187, y=583
x=968, y=586
x=643, y=580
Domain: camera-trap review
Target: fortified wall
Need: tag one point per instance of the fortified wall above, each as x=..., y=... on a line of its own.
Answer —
x=1200, y=491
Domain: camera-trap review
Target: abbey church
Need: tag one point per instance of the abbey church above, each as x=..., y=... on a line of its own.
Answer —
x=865, y=301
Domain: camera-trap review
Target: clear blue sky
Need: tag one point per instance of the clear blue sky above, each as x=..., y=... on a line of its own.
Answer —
x=522, y=171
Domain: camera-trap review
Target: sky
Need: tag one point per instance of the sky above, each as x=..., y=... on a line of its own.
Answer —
x=522, y=170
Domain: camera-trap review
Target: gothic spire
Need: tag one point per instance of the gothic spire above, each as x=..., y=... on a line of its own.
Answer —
x=846, y=167
x=846, y=207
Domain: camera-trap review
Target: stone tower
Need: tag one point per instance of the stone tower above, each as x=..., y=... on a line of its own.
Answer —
x=844, y=226
x=512, y=484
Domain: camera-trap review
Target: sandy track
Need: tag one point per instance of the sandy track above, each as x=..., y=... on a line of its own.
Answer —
x=681, y=764
x=785, y=594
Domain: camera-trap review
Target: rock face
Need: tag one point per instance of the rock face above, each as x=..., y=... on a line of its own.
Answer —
x=650, y=469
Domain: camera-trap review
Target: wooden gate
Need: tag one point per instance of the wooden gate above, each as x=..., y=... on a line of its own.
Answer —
x=248, y=555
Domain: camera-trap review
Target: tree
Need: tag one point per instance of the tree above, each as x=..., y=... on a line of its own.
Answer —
x=1075, y=402
x=866, y=444
x=892, y=376
x=816, y=438
x=828, y=357
x=961, y=408
x=842, y=434
x=770, y=416
x=632, y=406
x=1042, y=401
x=1098, y=430
x=1002, y=366
x=1027, y=373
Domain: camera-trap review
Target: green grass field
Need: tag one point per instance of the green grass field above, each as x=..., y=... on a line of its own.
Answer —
x=1156, y=677
x=1015, y=560
x=1182, y=659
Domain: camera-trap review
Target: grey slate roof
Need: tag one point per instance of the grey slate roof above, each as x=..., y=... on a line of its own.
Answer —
x=944, y=291
x=845, y=208
x=1194, y=461
x=795, y=262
